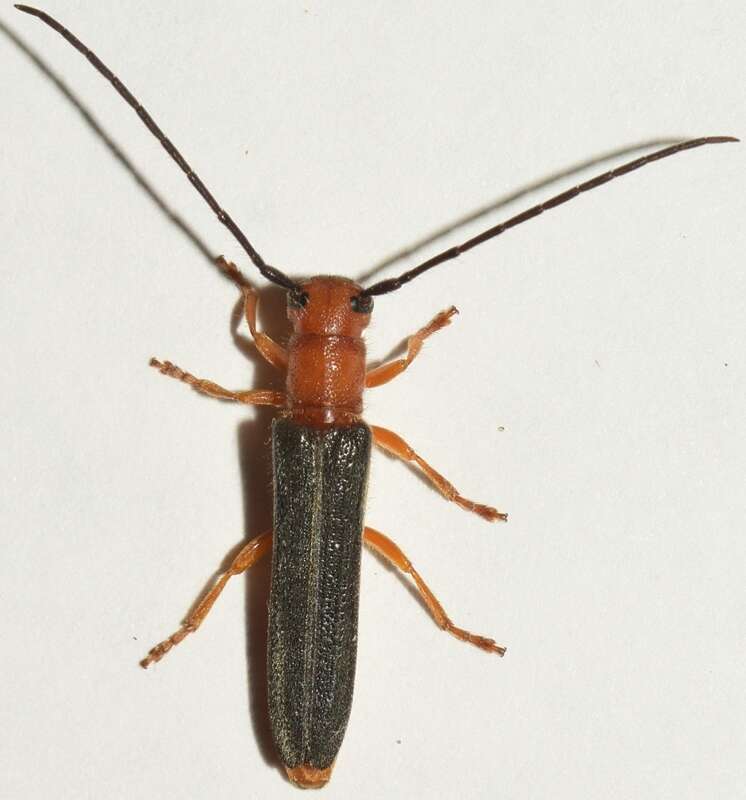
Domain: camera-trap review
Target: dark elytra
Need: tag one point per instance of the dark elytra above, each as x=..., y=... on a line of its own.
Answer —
x=320, y=480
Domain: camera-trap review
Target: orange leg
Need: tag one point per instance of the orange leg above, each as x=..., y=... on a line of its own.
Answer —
x=391, y=552
x=249, y=555
x=392, y=443
x=387, y=372
x=255, y=397
x=268, y=347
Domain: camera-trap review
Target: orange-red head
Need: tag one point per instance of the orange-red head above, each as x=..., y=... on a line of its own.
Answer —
x=329, y=306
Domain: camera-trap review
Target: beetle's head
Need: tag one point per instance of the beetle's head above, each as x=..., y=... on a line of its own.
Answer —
x=329, y=305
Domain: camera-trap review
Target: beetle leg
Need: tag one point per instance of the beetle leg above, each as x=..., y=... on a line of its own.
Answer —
x=249, y=555
x=255, y=397
x=387, y=372
x=391, y=552
x=268, y=347
x=393, y=443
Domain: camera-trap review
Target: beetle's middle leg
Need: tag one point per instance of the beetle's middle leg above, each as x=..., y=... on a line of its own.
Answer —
x=266, y=345
x=253, y=552
x=388, y=371
x=391, y=552
x=254, y=397
x=393, y=443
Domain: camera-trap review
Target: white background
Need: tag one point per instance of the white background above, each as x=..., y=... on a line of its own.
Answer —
x=606, y=338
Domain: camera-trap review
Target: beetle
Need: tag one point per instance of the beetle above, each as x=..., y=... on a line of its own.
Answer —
x=321, y=450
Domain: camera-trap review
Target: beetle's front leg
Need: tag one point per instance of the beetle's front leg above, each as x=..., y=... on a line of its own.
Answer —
x=393, y=443
x=274, y=353
x=391, y=552
x=253, y=552
x=387, y=372
x=255, y=397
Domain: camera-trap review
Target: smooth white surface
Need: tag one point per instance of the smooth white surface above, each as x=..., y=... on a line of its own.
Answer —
x=607, y=338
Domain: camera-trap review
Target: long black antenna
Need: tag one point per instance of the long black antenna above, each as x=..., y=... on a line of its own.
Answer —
x=270, y=273
x=392, y=284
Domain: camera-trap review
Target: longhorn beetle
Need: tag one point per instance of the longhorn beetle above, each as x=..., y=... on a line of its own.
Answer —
x=321, y=452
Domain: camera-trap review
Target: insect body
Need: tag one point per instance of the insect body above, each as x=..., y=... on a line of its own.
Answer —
x=321, y=452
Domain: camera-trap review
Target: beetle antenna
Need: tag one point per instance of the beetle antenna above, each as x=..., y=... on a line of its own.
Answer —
x=270, y=273
x=392, y=284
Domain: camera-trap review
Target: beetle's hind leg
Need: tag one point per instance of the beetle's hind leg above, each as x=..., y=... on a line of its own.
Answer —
x=391, y=552
x=393, y=443
x=249, y=555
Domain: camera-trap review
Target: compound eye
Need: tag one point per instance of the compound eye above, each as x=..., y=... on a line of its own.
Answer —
x=362, y=303
x=297, y=298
